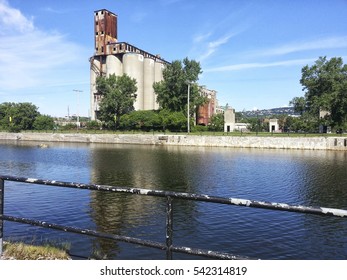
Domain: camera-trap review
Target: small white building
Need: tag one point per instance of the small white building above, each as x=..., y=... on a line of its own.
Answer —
x=273, y=125
x=229, y=120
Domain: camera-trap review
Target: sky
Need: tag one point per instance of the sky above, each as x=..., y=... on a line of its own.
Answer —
x=251, y=52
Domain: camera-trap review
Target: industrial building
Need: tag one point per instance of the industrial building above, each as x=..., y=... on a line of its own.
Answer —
x=114, y=57
x=205, y=112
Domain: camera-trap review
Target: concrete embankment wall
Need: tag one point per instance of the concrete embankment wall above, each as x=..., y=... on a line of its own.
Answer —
x=310, y=143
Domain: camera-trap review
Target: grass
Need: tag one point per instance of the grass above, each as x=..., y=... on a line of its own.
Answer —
x=22, y=251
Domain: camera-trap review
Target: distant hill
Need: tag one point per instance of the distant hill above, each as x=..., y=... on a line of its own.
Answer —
x=269, y=112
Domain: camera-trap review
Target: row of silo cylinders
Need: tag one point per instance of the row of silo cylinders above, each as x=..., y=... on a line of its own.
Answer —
x=145, y=70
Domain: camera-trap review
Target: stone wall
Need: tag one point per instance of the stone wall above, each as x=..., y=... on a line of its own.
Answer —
x=310, y=143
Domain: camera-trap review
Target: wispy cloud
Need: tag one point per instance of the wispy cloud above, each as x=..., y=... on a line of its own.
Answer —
x=32, y=57
x=246, y=66
x=231, y=24
x=11, y=18
x=53, y=10
x=212, y=46
x=319, y=44
x=201, y=37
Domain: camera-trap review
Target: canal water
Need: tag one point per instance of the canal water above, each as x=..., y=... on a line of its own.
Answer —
x=311, y=178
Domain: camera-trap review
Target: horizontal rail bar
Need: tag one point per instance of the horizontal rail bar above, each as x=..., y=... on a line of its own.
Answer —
x=188, y=196
x=84, y=231
x=207, y=253
x=137, y=241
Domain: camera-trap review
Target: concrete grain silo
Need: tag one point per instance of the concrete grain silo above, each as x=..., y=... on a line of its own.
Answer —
x=113, y=57
x=158, y=76
x=94, y=73
x=133, y=67
x=114, y=65
x=148, y=80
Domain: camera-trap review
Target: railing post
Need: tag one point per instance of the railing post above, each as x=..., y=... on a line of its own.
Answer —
x=169, y=227
x=1, y=213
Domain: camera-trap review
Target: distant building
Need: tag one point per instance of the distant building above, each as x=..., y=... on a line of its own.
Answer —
x=229, y=120
x=219, y=109
x=323, y=114
x=273, y=125
x=205, y=112
x=113, y=57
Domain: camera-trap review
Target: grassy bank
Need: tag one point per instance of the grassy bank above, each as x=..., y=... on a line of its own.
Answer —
x=21, y=251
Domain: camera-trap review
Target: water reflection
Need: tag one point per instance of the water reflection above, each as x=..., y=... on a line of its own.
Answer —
x=316, y=178
x=143, y=167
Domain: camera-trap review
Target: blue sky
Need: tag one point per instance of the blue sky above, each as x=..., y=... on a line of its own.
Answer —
x=251, y=52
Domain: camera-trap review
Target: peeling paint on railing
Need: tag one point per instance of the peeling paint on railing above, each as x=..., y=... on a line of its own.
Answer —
x=170, y=196
x=187, y=196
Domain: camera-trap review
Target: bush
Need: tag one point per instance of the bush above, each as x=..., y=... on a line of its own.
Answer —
x=44, y=122
x=93, y=125
x=174, y=121
x=199, y=128
x=140, y=120
x=14, y=129
x=69, y=126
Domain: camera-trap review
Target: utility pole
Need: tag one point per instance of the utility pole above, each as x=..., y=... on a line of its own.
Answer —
x=78, y=117
x=188, y=117
x=188, y=113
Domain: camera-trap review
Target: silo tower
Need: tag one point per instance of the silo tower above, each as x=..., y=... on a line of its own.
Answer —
x=105, y=26
x=114, y=57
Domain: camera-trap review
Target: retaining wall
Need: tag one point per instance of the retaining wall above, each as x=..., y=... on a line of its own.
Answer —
x=311, y=143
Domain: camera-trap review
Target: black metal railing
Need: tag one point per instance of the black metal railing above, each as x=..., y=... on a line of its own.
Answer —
x=168, y=246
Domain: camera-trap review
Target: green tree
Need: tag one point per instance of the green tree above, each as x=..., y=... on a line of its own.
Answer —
x=216, y=122
x=325, y=86
x=18, y=116
x=117, y=98
x=257, y=124
x=172, y=91
x=299, y=104
x=43, y=122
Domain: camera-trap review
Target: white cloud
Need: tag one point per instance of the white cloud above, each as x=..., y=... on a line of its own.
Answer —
x=324, y=43
x=52, y=10
x=32, y=57
x=212, y=46
x=245, y=66
x=13, y=19
x=201, y=37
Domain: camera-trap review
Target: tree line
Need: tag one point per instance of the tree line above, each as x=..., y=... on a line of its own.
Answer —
x=324, y=103
x=325, y=96
x=324, y=85
x=15, y=117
